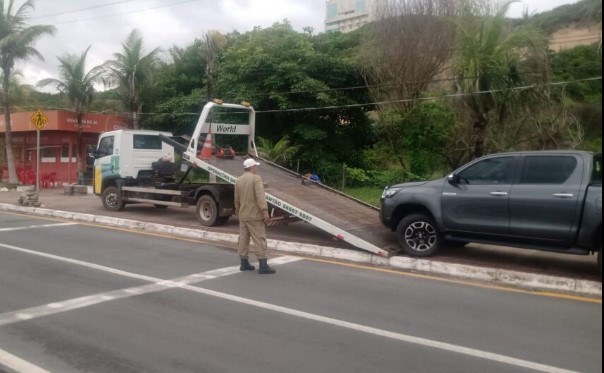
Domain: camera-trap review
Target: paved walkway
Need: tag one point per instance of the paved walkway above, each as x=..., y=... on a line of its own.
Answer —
x=528, y=269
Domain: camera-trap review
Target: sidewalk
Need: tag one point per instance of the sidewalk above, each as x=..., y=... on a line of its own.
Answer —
x=525, y=269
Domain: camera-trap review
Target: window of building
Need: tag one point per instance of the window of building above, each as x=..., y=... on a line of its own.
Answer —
x=332, y=11
x=48, y=155
x=547, y=169
x=65, y=153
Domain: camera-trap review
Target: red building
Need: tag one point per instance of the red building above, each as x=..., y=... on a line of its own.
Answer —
x=58, y=141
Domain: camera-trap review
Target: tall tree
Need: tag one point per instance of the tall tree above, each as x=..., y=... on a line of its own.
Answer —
x=404, y=52
x=489, y=65
x=303, y=86
x=17, y=38
x=22, y=95
x=131, y=70
x=213, y=43
x=77, y=85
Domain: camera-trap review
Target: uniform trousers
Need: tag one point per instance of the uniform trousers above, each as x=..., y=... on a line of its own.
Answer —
x=256, y=230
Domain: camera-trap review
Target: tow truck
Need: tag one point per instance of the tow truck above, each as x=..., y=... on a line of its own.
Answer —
x=138, y=167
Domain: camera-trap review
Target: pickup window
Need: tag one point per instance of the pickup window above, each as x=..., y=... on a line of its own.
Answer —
x=547, y=169
x=487, y=172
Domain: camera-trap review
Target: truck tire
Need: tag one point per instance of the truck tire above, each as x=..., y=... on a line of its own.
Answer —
x=207, y=211
x=112, y=200
x=418, y=236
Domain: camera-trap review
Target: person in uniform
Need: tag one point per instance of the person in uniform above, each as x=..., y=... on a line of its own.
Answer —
x=252, y=211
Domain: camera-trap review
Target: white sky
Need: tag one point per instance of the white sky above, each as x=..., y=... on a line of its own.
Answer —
x=104, y=24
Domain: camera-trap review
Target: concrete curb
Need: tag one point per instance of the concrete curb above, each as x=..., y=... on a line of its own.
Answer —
x=522, y=280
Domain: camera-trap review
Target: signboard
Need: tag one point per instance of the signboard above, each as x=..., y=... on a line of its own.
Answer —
x=39, y=120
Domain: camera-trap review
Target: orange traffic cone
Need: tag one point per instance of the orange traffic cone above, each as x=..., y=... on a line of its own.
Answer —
x=206, y=151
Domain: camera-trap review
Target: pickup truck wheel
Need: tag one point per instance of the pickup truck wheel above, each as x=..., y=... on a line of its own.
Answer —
x=418, y=236
x=207, y=211
x=112, y=200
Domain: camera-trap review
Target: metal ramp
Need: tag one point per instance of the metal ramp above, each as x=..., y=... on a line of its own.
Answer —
x=348, y=219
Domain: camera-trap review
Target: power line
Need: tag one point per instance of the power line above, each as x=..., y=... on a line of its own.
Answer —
x=82, y=9
x=453, y=95
x=128, y=12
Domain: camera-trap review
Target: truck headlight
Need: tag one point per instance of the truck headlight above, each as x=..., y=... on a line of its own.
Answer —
x=389, y=192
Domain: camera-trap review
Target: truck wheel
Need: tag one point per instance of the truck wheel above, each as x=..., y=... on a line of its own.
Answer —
x=418, y=236
x=207, y=211
x=112, y=200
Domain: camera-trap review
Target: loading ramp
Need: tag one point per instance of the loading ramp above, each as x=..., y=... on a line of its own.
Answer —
x=346, y=218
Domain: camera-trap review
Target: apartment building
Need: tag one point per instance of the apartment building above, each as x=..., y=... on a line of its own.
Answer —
x=349, y=15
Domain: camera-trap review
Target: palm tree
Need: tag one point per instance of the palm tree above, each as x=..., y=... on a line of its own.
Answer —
x=487, y=67
x=16, y=43
x=281, y=152
x=131, y=71
x=21, y=94
x=77, y=86
x=213, y=42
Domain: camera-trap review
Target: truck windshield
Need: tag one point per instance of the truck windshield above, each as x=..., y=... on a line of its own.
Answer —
x=596, y=173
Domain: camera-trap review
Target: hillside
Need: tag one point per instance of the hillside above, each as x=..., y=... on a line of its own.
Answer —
x=569, y=25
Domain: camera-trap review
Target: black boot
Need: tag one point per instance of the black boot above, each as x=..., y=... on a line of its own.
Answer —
x=264, y=268
x=246, y=266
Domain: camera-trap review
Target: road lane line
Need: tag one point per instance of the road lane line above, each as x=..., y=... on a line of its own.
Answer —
x=158, y=284
x=17, y=364
x=161, y=284
x=384, y=333
x=36, y=226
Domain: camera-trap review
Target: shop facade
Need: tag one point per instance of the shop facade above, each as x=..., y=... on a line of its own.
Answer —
x=58, y=142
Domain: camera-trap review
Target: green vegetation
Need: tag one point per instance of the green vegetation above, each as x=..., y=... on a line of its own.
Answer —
x=371, y=195
x=372, y=108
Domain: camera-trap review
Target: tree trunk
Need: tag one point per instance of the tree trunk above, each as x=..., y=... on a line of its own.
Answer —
x=480, y=126
x=135, y=124
x=79, y=164
x=8, y=137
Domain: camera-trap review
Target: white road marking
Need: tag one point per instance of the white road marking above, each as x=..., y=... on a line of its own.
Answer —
x=18, y=365
x=161, y=284
x=158, y=284
x=384, y=333
x=36, y=226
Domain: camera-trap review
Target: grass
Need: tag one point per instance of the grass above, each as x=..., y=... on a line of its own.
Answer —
x=370, y=195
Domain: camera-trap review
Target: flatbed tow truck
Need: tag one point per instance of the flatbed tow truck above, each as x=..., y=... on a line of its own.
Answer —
x=291, y=196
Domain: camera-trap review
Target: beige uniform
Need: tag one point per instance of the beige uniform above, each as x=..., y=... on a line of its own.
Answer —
x=252, y=210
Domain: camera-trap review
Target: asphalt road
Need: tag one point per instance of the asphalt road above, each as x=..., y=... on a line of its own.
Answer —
x=530, y=261
x=82, y=298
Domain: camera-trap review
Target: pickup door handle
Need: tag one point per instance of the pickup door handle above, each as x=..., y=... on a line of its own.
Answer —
x=499, y=194
x=563, y=195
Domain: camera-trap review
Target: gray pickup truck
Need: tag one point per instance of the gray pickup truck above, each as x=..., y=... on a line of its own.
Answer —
x=543, y=200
